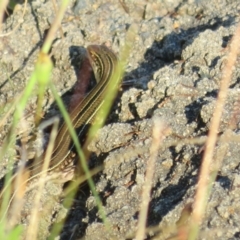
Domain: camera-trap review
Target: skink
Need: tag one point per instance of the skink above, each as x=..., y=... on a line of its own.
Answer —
x=105, y=67
x=104, y=63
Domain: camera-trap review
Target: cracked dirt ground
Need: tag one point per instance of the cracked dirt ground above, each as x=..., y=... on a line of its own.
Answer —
x=174, y=69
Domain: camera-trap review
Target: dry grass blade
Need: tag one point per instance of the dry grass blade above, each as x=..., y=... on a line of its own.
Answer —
x=204, y=178
x=35, y=217
x=159, y=132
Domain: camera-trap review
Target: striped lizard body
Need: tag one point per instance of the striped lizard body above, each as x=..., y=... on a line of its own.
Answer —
x=104, y=63
x=105, y=67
